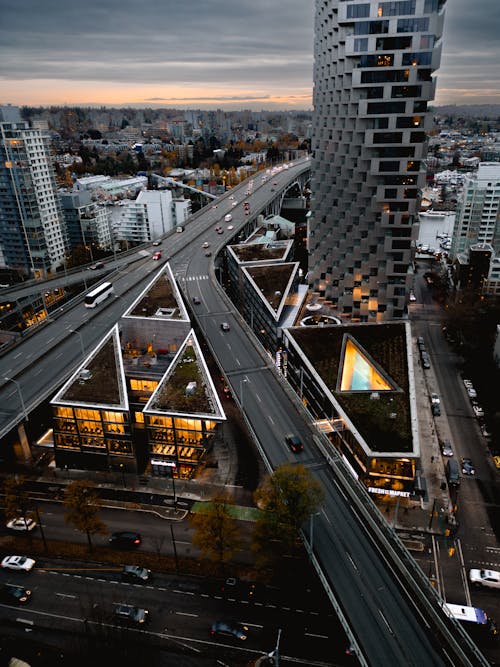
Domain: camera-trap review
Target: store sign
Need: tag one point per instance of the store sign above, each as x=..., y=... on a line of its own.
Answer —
x=167, y=464
x=389, y=492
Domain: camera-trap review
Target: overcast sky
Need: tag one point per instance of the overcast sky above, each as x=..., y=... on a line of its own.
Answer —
x=205, y=53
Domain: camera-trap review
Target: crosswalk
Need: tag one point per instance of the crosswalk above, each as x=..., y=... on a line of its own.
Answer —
x=190, y=279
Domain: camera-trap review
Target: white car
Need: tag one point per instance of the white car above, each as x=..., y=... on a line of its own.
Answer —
x=413, y=298
x=472, y=392
x=20, y=563
x=229, y=227
x=21, y=523
x=478, y=410
x=486, y=578
x=435, y=400
x=206, y=244
x=467, y=384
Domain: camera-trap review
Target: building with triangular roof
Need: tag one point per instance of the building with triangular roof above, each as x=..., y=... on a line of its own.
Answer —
x=100, y=420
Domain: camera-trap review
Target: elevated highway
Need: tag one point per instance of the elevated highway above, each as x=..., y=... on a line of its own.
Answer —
x=389, y=610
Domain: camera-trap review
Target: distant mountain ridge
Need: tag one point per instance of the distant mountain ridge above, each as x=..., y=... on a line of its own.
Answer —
x=469, y=110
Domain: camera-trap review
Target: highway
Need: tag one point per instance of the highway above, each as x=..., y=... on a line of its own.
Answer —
x=394, y=617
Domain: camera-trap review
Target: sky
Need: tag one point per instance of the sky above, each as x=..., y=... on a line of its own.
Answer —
x=252, y=54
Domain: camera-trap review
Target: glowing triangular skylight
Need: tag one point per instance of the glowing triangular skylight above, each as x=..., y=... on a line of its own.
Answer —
x=359, y=372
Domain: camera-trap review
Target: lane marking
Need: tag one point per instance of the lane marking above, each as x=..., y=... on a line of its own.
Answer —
x=185, y=613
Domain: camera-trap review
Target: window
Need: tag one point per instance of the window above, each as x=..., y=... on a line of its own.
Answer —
x=389, y=43
x=358, y=11
x=413, y=25
x=371, y=27
x=386, y=107
x=380, y=60
x=382, y=76
x=387, y=137
x=406, y=91
x=427, y=41
x=87, y=414
x=143, y=385
x=361, y=44
x=389, y=166
x=395, y=8
x=414, y=59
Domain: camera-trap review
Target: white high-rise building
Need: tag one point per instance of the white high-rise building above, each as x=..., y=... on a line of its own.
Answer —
x=32, y=231
x=478, y=210
x=151, y=215
x=373, y=78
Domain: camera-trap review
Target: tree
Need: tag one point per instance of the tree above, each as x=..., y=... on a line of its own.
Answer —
x=288, y=497
x=216, y=533
x=82, y=503
x=16, y=499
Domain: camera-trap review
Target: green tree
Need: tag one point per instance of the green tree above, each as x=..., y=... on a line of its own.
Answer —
x=216, y=533
x=288, y=497
x=82, y=504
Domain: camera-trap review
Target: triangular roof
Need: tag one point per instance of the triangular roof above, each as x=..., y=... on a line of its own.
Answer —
x=272, y=282
x=187, y=389
x=261, y=250
x=160, y=300
x=359, y=371
x=100, y=380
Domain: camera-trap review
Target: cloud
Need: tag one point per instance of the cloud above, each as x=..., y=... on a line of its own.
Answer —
x=250, y=49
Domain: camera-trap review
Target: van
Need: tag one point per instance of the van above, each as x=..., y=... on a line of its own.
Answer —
x=452, y=472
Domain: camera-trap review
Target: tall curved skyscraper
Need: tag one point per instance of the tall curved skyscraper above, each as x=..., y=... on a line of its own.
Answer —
x=373, y=79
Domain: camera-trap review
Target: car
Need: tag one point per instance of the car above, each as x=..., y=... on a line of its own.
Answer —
x=14, y=594
x=436, y=410
x=234, y=203
x=229, y=629
x=435, y=400
x=472, y=393
x=478, y=410
x=231, y=196
x=135, y=573
x=18, y=563
x=485, y=578
x=275, y=182
x=412, y=297
x=421, y=343
x=208, y=253
x=125, y=539
x=467, y=384
x=126, y=613
x=228, y=217
x=196, y=300
x=156, y=243
x=214, y=205
x=220, y=231
x=225, y=326
x=468, y=467
x=485, y=432
x=206, y=244
x=157, y=255
x=294, y=443
x=446, y=448
x=229, y=227
x=425, y=361
x=21, y=523
x=97, y=265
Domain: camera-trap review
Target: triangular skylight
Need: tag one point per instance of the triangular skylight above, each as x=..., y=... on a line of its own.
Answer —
x=359, y=372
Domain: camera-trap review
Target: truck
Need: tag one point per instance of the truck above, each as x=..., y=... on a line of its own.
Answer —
x=452, y=473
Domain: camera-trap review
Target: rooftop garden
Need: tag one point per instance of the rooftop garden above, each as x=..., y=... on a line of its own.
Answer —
x=102, y=386
x=256, y=252
x=159, y=295
x=174, y=395
x=272, y=281
x=384, y=422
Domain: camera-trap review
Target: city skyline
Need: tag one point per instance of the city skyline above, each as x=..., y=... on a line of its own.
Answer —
x=204, y=56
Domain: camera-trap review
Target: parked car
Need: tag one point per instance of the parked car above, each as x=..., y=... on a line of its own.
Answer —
x=468, y=467
x=425, y=360
x=436, y=410
x=125, y=540
x=130, y=615
x=471, y=392
x=135, y=573
x=485, y=578
x=18, y=563
x=14, y=594
x=228, y=217
x=413, y=298
x=446, y=448
x=21, y=523
x=229, y=629
x=467, y=383
x=294, y=443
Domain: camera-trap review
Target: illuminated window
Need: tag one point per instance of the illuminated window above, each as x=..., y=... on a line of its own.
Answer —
x=359, y=372
x=64, y=412
x=87, y=414
x=143, y=385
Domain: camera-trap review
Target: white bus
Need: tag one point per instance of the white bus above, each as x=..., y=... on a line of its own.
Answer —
x=98, y=294
x=476, y=621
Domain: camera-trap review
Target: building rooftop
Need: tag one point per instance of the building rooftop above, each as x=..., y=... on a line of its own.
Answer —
x=273, y=282
x=187, y=387
x=100, y=379
x=259, y=252
x=160, y=300
x=365, y=369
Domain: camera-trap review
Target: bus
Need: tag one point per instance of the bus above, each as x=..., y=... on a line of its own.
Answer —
x=98, y=294
x=475, y=621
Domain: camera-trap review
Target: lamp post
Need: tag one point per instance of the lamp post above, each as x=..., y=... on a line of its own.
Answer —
x=18, y=387
x=123, y=475
x=81, y=339
x=175, y=548
x=243, y=380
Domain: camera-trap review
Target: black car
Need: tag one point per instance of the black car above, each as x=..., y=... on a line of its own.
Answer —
x=126, y=613
x=135, y=573
x=196, y=300
x=436, y=410
x=125, y=540
x=294, y=443
x=13, y=594
x=468, y=468
x=229, y=629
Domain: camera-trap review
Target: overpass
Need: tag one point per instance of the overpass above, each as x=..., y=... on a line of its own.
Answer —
x=387, y=606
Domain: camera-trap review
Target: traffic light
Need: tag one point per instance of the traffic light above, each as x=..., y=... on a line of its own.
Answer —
x=447, y=532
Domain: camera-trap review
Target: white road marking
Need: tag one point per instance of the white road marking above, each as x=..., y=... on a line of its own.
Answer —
x=185, y=613
x=311, y=634
x=65, y=595
x=270, y=419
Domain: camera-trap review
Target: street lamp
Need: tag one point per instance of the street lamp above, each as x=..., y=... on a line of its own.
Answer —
x=18, y=387
x=123, y=475
x=245, y=379
x=81, y=339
